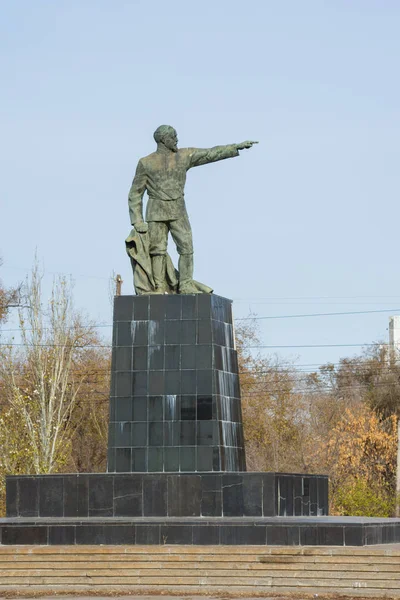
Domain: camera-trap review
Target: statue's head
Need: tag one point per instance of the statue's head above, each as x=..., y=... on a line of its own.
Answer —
x=165, y=134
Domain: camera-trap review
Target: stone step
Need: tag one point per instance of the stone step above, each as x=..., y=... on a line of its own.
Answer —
x=202, y=570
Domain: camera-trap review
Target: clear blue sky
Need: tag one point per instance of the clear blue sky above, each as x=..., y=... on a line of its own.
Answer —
x=305, y=222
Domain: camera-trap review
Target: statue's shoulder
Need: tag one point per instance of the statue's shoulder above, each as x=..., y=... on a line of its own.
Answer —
x=149, y=158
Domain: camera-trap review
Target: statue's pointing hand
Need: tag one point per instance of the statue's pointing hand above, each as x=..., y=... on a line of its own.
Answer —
x=141, y=227
x=245, y=145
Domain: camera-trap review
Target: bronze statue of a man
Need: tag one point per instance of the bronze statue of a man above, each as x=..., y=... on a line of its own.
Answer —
x=163, y=175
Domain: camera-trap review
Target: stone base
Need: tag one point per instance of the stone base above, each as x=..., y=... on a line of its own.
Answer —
x=273, y=531
x=107, y=495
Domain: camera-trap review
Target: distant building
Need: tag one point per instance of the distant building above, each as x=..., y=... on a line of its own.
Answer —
x=394, y=338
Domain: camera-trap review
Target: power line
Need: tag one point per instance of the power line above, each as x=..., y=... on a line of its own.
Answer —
x=330, y=314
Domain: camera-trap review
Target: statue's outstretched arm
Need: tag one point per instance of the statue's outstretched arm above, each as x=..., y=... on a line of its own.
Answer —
x=202, y=156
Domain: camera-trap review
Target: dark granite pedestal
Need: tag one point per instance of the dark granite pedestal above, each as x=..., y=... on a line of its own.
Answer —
x=176, y=459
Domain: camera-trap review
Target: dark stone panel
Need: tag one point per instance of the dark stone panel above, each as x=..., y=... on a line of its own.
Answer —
x=156, y=333
x=24, y=535
x=188, y=382
x=204, y=333
x=71, y=495
x=171, y=459
x=123, y=461
x=187, y=458
x=282, y=493
x=156, y=408
x=51, y=496
x=105, y=534
x=313, y=496
x=173, y=332
x=140, y=308
x=372, y=534
x=353, y=536
x=184, y=495
x=205, y=382
x=216, y=459
x=154, y=496
x=289, y=496
x=11, y=497
x=188, y=357
x=124, y=334
x=139, y=358
x=172, y=433
x=232, y=495
x=189, y=306
x=157, y=307
x=172, y=357
x=123, y=308
x=28, y=494
x=204, y=458
x=172, y=407
x=221, y=308
x=156, y=435
x=204, y=356
x=156, y=383
x=139, y=459
x=176, y=534
x=205, y=433
x=139, y=383
x=123, y=435
x=323, y=496
x=280, y=535
x=101, y=495
x=331, y=535
x=206, y=535
x=188, y=408
x=297, y=496
x=211, y=501
x=110, y=459
x=139, y=333
x=203, y=306
x=139, y=434
x=139, y=408
x=308, y=535
x=188, y=434
x=148, y=534
x=172, y=382
x=188, y=332
x=252, y=495
x=155, y=459
x=128, y=492
x=82, y=496
x=123, y=358
x=156, y=358
x=173, y=307
x=242, y=534
x=62, y=535
x=388, y=536
x=123, y=408
x=218, y=332
x=111, y=434
x=204, y=408
x=123, y=383
x=112, y=409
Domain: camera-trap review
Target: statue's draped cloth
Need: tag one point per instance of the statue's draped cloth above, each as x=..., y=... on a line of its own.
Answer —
x=138, y=249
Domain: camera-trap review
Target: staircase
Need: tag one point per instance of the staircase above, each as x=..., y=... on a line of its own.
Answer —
x=252, y=570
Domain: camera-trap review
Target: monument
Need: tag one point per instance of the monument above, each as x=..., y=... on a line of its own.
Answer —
x=176, y=457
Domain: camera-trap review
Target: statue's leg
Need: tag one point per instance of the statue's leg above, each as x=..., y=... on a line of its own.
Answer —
x=182, y=235
x=158, y=234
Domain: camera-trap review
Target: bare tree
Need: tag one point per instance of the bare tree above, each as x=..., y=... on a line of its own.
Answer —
x=42, y=383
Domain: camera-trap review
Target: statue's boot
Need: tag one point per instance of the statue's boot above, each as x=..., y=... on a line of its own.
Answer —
x=158, y=268
x=186, y=285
